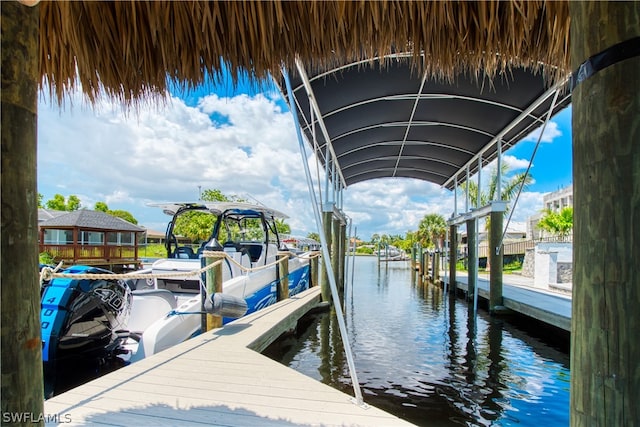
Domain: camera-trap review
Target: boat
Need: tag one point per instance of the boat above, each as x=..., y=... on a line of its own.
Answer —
x=392, y=253
x=144, y=312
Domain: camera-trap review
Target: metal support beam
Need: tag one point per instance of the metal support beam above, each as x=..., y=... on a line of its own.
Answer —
x=325, y=251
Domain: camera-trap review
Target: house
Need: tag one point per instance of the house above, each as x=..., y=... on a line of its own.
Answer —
x=91, y=238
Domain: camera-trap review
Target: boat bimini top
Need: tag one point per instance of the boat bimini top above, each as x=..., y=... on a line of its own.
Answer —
x=217, y=208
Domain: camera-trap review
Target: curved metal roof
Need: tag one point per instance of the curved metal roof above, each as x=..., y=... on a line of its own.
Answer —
x=386, y=120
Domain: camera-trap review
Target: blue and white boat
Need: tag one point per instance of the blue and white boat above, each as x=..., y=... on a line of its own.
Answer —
x=133, y=318
x=247, y=235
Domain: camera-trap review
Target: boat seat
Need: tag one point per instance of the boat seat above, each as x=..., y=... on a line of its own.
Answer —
x=255, y=250
x=185, y=252
x=148, y=306
x=235, y=247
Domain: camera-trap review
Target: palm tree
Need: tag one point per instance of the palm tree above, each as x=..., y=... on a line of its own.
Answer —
x=557, y=223
x=431, y=230
x=508, y=189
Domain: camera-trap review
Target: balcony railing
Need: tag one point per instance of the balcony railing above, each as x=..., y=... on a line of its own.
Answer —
x=75, y=254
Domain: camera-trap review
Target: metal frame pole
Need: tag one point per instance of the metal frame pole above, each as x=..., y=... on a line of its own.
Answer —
x=325, y=250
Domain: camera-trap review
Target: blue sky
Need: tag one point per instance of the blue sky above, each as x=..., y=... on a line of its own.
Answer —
x=241, y=140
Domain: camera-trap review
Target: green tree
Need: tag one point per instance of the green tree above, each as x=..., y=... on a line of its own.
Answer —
x=57, y=203
x=282, y=227
x=119, y=213
x=127, y=216
x=40, y=198
x=557, y=223
x=73, y=203
x=198, y=226
x=101, y=207
x=431, y=230
x=314, y=236
x=509, y=188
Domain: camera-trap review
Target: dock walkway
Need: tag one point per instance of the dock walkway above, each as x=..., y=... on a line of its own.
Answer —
x=521, y=296
x=218, y=378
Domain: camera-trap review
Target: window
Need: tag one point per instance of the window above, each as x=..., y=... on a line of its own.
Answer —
x=58, y=237
x=123, y=238
x=91, y=237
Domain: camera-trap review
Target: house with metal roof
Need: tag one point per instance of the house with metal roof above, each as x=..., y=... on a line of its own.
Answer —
x=92, y=238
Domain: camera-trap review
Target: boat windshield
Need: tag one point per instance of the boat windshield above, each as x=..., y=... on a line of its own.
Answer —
x=242, y=230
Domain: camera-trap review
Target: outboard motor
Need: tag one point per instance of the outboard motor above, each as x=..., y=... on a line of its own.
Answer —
x=80, y=319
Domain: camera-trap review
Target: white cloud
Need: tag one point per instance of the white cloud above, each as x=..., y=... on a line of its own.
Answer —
x=550, y=133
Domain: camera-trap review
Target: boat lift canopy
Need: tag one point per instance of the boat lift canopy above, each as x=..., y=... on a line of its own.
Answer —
x=381, y=118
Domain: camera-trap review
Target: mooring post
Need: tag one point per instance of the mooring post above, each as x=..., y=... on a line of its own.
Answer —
x=313, y=269
x=327, y=216
x=213, y=284
x=436, y=266
x=472, y=257
x=335, y=256
x=605, y=320
x=22, y=390
x=283, y=275
x=343, y=255
x=453, y=257
x=495, y=260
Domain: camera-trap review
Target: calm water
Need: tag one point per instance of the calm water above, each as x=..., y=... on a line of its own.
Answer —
x=420, y=356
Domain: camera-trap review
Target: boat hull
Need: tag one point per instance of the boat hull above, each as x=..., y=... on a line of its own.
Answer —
x=258, y=289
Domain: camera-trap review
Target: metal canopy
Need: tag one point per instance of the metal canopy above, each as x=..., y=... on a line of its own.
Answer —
x=389, y=121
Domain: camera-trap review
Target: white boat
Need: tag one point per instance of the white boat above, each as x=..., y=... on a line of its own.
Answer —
x=392, y=253
x=166, y=307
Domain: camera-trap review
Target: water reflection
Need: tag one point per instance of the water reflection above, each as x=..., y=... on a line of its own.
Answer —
x=424, y=357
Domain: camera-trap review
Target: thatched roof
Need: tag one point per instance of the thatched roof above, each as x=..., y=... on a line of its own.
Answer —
x=131, y=50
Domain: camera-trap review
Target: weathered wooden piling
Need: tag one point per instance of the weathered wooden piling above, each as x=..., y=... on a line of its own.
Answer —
x=283, y=275
x=495, y=260
x=314, y=275
x=605, y=349
x=335, y=253
x=472, y=256
x=21, y=387
x=453, y=257
x=324, y=276
x=213, y=284
x=343, y=256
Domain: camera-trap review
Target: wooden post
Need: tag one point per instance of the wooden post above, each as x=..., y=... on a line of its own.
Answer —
x=605, y=327
x=335, y=255
x=213, y=281
x=495, y=260
x=324, y=282
x=472, y=258
x=436, y=266
x=343, y=255
x=313, y=269
x=283, y=275
x=453, y=257
x=22, y=390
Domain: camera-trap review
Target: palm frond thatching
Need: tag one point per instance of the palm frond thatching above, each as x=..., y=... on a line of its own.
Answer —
x=131, y=50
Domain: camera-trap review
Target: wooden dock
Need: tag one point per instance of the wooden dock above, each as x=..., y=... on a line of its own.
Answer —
x=521, y=297
x=218, y=378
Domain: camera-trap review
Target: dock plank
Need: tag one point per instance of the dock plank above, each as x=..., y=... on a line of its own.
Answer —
x=218, y=379
x=551, y=308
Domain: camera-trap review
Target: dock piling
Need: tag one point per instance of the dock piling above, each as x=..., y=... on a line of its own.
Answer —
x=283, y=275
x=213, y=284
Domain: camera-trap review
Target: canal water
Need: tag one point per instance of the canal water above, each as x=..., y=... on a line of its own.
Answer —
x=421, y=356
